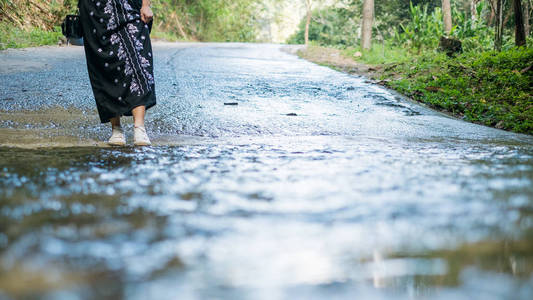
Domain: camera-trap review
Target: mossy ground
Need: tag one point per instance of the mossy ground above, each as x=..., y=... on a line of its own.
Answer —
x=490, y=88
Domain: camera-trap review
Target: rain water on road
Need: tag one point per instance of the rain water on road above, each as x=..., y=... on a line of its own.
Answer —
x=270, y=178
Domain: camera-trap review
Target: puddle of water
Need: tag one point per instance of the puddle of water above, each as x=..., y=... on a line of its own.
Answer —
x=303, y=218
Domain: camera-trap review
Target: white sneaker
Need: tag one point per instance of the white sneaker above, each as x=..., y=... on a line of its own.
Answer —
x=140, y=138
x=117, y=137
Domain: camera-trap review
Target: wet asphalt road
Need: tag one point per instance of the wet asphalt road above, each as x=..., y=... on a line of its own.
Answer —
x=313, y=184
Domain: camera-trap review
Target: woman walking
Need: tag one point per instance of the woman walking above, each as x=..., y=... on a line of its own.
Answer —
x=120, y=63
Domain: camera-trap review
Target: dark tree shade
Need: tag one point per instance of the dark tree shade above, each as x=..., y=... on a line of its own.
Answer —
x=499, y=25
x=520, y=32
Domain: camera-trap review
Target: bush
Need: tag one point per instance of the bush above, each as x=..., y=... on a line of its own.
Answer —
x=423, y=30
x=206, y=20
x=491, y=88
x=30, y=14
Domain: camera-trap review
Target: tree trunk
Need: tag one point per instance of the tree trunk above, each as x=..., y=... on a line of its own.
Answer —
x=308, y=21
x=368, y=19
x=527, y=25
x=473, y=10
x=499, y=26
x=508, y=15
x=492, y=12
x=447, y=14
x=520, y=32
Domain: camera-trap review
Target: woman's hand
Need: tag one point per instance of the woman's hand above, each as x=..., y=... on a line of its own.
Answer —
x=146, y=13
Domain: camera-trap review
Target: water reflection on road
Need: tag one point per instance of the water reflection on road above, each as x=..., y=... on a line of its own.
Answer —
x=317, y=185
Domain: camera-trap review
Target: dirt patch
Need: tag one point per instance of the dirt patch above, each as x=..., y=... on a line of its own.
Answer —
x=50, y=127
x=52, y=117
x=336, y=59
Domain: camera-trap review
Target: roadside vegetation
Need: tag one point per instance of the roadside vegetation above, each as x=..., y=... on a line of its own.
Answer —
x=13, y=37
x=25, y=23
x=488, y=81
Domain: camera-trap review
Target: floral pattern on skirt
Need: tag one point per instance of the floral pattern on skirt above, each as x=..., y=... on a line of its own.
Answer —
x=119, y=56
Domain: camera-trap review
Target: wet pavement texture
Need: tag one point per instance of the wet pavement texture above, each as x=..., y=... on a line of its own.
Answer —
x=270, y=178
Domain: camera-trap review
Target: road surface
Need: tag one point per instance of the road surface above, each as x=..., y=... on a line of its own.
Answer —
x=270, y=178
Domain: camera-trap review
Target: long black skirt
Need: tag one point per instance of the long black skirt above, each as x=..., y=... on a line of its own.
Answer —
x=119, y=56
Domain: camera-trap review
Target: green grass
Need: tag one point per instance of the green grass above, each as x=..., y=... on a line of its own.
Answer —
x=488, y=88
x=13, y=37
x=379, y=54
x=167, y=36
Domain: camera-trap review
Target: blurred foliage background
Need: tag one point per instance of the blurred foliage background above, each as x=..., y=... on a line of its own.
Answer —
x=415, y=23
x=36, y=22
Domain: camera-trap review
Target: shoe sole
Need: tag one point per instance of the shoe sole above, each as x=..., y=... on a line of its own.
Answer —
x=117, y=144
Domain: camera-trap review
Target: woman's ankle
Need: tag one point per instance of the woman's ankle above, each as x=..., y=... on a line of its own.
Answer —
x=116, y=127
x=115, y=122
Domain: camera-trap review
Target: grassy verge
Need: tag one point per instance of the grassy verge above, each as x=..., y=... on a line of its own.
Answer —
x=488, y=88
x=157, y=34
x=14, y=37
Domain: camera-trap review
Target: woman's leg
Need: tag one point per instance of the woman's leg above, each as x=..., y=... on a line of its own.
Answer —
x=115, y=122
x=138, y=116
x=140, y=138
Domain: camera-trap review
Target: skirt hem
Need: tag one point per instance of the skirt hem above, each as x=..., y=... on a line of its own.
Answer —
x=127, y=112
